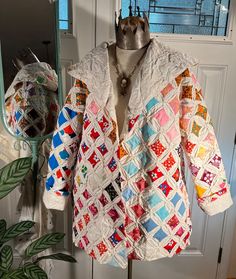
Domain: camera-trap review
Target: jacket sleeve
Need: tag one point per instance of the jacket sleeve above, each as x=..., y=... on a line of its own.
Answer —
x=201, y=148
x=65, y=143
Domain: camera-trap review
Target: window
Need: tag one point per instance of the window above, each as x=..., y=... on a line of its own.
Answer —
x=65, y=16
x=199, y=17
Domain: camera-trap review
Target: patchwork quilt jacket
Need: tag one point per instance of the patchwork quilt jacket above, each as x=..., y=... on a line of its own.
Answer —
x=129, y=191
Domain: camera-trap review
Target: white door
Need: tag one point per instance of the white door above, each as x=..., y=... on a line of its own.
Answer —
x=94, y=23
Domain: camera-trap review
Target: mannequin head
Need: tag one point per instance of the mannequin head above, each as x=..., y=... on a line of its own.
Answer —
x=132, y=32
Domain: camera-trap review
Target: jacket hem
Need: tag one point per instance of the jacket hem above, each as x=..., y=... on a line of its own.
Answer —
x=52, y=201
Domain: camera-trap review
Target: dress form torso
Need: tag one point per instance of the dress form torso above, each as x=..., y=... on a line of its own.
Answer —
x=127, y=59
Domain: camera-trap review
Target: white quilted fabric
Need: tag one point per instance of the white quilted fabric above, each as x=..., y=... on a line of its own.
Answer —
x=129, y=194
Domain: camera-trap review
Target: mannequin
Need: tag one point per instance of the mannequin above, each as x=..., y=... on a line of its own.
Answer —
x=132, y=40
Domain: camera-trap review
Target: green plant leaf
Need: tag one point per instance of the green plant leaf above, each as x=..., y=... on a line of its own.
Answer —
x=16, y=274
x=16, y=230
x=33, y=271
x=12, y=174
x=6, y=258
x=59, y=257
x=3, y=226
x=43, y=243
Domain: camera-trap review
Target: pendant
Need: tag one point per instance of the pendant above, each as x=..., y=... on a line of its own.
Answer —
x=124, y=85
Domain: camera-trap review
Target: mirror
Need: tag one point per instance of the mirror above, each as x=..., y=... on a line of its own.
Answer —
x=29, y=90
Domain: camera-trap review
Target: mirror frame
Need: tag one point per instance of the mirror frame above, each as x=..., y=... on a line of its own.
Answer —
x=34, y=140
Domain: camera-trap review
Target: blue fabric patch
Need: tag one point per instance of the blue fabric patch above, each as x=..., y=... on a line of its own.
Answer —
x=53, y=162
x=123, y=253
x=149, y=225
x=163, y=213
x=131, y=169
x=127, y=194
x=160, y=235
x=64, y=154
x=17, y=115
x=134, y=142
x=64, y=192
x=144, y=158
x=151, y=104
x=61, y=119
x=71, y=112
x=50, y=182
x=154, y=200
x=182, y=209
x=147, y=132
x=113, y=262
x=56, y=140
x=175, y=199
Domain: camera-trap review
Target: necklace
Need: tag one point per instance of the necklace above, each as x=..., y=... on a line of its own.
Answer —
x=124, y=80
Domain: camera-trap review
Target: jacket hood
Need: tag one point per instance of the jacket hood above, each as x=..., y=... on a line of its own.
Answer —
x=39, y=72
x=160, y=65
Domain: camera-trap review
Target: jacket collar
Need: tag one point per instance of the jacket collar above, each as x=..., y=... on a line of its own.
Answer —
x=160, y=65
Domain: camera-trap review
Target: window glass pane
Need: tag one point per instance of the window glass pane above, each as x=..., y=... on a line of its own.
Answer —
x=202, y=17
x=64, y=14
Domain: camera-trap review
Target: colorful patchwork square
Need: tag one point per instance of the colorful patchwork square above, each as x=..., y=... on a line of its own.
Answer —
x=113, y=214
x=176, y=175
x=174, y=104
x=86, y=218
x=86, y=194
x=121, y=152
x=208, y=177
x=80, y=99
x=180, y=231
x=169, y=247
x=61, y=119
x=56, y=140
x=142, y=184
x=103, y=200
x=187, y=92
x=138, y=210
x=93, y=107
x=131, y=169
x=76, y=211
x=104, y=124
x=86, y=121
x=69, y=131
x=182, y=209
x=196, y=128
x=153, y=200
x=135, y=234
x=189, y=146
x=127, y=194
x=115, y=238
x=86, y=241
x=84, y=147
x=80, y=225
x=165, y=187
x=151, y=104
x=102, y=248
x=79, y=203
x=158, y=148
x=173, y=222
x=144, y=158
x=147, y=132
x=202, y=112
x=134, y=142
x=93, y=209
x=216, y=161
x=202, y=152
x=132, y=121
x=155, y=173
x=71, y=113
x=162, y=117
x=167, y=89
x=112, y=165
x=93, y=159
x=169, y=162
x=172, y=133
x=163, y=213
x=149, y=225
x=94, y=134
x=175, y=199
x=53, y=162
x=111, y=191
x=194, y=169
x=160, y=235
x=120, y=204
x=102, y=148
x=64, y=154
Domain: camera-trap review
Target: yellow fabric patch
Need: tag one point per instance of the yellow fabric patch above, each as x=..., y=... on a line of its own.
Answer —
x=200, y=191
